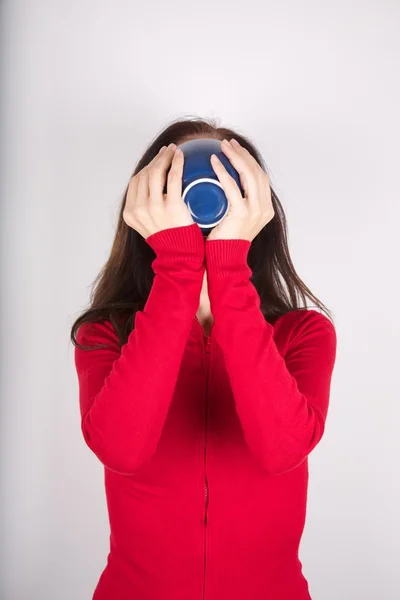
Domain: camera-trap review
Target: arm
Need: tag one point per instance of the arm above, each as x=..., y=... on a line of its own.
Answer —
x=282, y=403
x=124, y=394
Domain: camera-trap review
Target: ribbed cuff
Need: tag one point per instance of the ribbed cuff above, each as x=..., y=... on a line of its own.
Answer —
x=186, y=239
x=224, y=257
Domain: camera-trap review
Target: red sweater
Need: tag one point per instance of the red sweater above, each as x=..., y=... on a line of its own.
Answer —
x=204, y=441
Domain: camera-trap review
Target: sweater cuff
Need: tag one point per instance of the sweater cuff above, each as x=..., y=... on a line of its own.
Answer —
x=226, y=257
x=186, y=239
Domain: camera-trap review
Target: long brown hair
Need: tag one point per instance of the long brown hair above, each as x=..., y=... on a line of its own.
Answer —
x=123, y=284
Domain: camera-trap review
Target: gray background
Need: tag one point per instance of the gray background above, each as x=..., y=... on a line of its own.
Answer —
x=85, y=87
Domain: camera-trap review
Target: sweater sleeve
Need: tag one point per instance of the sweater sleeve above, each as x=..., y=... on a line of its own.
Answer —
x=125, y=393
x=282, y=402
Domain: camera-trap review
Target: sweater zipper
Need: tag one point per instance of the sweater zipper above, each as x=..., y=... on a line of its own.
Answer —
x=207, y=349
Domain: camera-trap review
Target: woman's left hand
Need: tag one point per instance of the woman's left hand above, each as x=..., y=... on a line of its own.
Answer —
x=246, y=216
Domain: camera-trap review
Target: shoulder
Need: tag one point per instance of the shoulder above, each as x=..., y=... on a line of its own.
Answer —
x=99, y=343
x=304, y=318
x=307, y=327
x=96, y=332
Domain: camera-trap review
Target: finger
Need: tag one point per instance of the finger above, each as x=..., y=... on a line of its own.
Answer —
x=157, y=156
x=228, y=183
x=174, y=184
x=157, y=174
x=131, y=193
x=133, y=196
x=246, y=166
x=142, y=192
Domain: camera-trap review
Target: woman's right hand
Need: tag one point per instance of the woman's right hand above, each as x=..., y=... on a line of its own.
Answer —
x=147, y=209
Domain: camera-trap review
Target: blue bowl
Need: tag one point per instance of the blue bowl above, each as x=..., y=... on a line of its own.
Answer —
x=201, y=190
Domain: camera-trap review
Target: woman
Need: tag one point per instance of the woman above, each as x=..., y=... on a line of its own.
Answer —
x=204, y=386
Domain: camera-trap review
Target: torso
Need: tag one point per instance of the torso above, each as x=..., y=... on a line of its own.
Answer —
x=206, y=320
x=204, y=310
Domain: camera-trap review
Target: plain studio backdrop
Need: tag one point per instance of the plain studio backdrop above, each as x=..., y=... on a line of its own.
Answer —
x=85, y=86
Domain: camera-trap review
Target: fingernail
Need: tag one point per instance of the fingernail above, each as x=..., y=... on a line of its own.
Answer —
x=233, y=141
x=226, y=142
x=161, y=149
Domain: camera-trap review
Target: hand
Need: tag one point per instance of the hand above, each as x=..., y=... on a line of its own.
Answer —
x=246, y=216
x=147, y=209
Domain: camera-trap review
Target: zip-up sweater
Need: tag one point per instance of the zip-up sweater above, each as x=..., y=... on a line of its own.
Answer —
x=205, y=439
